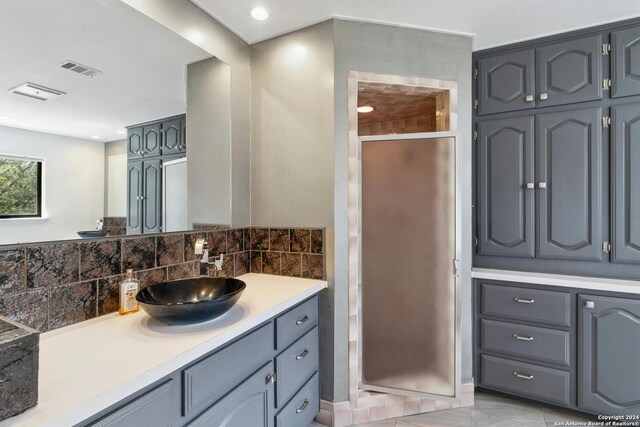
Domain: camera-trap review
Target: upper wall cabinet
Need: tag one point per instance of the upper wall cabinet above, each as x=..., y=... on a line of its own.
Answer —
x=134, y=142
x=505, y=187
x=554, y=74
x=151, y=140
x=173, y=140
x=570, y=71
x=625, y=63
x=506, y=82
x=626, y=183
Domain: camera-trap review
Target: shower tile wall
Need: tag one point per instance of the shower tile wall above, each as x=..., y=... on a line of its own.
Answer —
x=50, y=285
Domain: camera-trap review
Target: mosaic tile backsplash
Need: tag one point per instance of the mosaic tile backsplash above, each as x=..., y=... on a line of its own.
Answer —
x=50, y=285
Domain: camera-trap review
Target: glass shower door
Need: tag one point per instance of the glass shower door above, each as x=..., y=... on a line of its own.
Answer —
x=408, y=279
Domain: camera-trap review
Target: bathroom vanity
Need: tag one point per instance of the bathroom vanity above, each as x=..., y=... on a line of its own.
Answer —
x=256, y=365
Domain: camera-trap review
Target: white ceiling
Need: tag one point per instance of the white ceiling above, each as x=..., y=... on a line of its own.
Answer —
x=142, y=64
x=493, y=22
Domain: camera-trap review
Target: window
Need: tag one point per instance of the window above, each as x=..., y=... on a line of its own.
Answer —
x=20, y=187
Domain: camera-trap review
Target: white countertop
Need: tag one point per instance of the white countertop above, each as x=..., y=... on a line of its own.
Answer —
x=582, y=282
x=89, y=366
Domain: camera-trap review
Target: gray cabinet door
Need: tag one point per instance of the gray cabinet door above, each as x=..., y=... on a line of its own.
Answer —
x=134, y=193
x=250, y=404
x=609, y=367
x=151, y=201
x=626, y=183
x=172, y=136
x=625, y=62
x=570, y=193
x=569, y=71
x=505, y=82
x=506, y=206
x=134, y=143
x=151, y=140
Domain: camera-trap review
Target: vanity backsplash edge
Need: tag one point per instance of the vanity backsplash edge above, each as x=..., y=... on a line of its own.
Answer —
x=54, y=284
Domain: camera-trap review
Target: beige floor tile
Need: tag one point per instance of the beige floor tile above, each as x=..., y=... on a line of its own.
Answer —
x=451, y=418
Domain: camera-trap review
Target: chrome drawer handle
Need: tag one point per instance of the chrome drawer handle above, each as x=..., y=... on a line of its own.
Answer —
x=270, y=379
x=522, y=337
x=524, y=301
x=303, y=407
x=523, y=376
x=302, y=355
x=302, y=321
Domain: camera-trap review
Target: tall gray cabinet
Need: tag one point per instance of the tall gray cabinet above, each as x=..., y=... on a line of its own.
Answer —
x=149, y=145
x=557, y=148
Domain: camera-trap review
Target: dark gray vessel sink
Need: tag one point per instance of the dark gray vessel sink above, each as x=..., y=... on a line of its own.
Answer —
x=188, y=301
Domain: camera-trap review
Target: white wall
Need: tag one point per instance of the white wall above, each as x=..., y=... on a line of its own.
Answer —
x=73, y=185
x=292, y=151
x=209, y=143
x=115, y=183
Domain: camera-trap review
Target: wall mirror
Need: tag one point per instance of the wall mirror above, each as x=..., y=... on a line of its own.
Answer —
x=97, y=101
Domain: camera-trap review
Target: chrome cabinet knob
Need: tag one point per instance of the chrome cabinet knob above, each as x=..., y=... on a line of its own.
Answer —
x=530, y=185
x=544, y=96
x=542, y=185
x=589, y=304
x=528, y=98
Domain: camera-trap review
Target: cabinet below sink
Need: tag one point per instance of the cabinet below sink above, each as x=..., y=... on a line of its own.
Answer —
x=236, y=384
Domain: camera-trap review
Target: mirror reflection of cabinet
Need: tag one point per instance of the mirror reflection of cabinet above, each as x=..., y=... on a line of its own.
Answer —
x=160, y=141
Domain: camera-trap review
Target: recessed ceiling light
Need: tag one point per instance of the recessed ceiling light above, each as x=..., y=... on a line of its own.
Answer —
x=122, y=132
x=259, y=13
x=95, y=137
x=365, y=109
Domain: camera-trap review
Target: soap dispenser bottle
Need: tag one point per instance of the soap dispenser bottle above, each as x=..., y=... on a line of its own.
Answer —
x=128, y=290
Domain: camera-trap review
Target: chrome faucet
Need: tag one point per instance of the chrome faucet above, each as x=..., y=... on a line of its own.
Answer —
x=202, y=247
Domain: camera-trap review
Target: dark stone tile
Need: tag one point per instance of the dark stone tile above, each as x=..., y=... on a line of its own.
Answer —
x=217, y=243
x=181, y=271
x=139, y=253
x=52, y=265
x=300, y=240
x=312, y=266
x=291, y=264
x=227, y=266
x=170, y=249
x=18, y=371
x=241, y=263
x=151, y=277
x=255, y=262
x=72, y=304
x=271, y=263
x=109, y=294
x=12, y=276
x=259, y=240
x=317, y=243
x=116, y=231
x=28, y=308
x=190, y=245
x=246, y=239
x=100, y=259
x=279, y=239
x=235, y=241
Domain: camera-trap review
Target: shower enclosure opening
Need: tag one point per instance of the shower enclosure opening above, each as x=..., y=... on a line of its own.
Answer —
x=407, y=251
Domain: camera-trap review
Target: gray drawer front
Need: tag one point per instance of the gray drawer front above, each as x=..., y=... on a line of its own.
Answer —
x=549, y=307
x=209, y=379
x=550, y=385
x=152, y=409
x=294, y=323
x=546, y=345
x=303, y=408
x=295, y=365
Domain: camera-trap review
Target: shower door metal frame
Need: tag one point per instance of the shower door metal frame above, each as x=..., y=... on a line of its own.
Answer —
x=455, y=266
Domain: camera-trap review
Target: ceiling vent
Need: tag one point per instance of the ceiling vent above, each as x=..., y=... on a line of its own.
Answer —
x=80, y=69
x=37, y=92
